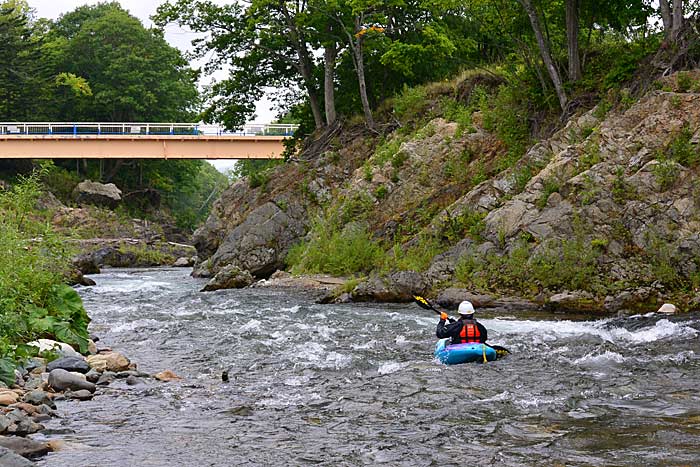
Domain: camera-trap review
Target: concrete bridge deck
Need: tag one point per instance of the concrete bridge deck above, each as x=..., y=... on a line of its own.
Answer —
x=140, y=141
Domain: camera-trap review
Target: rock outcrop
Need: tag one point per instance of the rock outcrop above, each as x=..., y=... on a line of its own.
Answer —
x=97, y=194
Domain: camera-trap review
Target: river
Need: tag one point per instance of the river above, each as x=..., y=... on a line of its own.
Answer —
x=356, y=384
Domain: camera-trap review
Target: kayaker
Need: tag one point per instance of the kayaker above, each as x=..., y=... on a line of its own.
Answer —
x=465, y=330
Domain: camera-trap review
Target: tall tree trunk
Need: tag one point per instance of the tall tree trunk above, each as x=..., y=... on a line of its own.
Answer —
x=305, y=66
x=359, y=62
x=666, y=17
x=329, y=55
x=360, y=69
x=677, y=17
x=545, y=52
x=572, y=40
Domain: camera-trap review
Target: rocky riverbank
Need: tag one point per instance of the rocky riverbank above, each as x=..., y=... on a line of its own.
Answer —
x=44, y=382
x=600, y=216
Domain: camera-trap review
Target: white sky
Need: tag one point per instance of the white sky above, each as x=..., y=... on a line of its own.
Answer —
x=176, y=36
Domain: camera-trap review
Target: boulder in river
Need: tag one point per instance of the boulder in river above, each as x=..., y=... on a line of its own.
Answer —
x=230, y=277
x=109, y=361
x=60, y=380
x=39, y=398
x=397, y=287
x=667, y=308
x=98, y=194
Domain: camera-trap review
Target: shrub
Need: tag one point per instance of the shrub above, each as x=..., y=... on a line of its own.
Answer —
x=411, y=103
x=34, y=302
x=550, y=186
x=333, y=251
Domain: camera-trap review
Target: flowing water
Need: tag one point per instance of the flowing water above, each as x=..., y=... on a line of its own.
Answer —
x=357, y=385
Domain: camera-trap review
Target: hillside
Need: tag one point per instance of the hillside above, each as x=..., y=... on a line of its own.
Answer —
x=601, y=215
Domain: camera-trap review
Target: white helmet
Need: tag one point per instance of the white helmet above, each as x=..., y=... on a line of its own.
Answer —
x=466, y=308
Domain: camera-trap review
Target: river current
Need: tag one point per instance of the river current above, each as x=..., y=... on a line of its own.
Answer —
x=356, y=384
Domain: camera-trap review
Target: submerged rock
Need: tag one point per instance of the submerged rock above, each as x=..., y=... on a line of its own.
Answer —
x=24, y=447
x=9, y=458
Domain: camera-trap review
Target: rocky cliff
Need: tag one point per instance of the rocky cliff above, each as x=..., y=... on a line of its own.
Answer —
x=604, y=214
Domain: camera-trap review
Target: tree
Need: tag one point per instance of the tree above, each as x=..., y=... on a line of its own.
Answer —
x=25, y=80
x=264, y=45
x=133, y=74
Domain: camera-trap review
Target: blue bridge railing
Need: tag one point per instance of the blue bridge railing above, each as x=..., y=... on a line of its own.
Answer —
x=141, y=129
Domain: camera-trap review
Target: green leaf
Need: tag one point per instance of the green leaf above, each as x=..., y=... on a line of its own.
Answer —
x=65, y=333
x=7, y=371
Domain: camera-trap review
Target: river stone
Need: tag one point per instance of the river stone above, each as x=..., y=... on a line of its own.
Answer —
x=572, y=301
x=93, y=376
x=106, y=378
x=60, y=380
x=98, y=194
x=8, y=458
x=24, y=447
x=8, y=397
x=29, y=409
x=4, y=423
x=81, y=395
x=230, y=277
x=667, y=308
x=109, y=361
x=132, y=380
x=37, y=397
x=22, y=424
x=166, y=376
x=183, y=262
x=86, y=263
x=63, y=349
x=77, y=364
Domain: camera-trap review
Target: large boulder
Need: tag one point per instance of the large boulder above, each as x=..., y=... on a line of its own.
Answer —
x=397, y=287
x=98, y=194
x=61, y=380
x=230, y=277
x=261, y=242
x=24, y=447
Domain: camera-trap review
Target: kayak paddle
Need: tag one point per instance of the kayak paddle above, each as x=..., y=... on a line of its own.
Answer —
x=426, y=305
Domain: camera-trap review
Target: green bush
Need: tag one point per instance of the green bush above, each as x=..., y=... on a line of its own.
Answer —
x=34, y=302
x=411, y=103
x=550, y=186
x=506, y=114
x=334, y=251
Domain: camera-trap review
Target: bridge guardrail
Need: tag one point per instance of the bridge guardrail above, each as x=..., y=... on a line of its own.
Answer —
x=140, y=129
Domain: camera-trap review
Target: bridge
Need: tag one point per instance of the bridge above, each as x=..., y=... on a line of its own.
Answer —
x=39, y=140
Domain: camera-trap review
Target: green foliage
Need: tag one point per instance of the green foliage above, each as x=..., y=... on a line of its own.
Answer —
x=381, y=192
x=682, y=150
x=258, y=171
x=562, y=265
x=335, y=251
x=469, y=222
x=411, y=103
x=666, y=173
x=521, y=177
x=417, y=256
x=506, y=114
x=684, y=81
x=457, y=112
x=549, y=186
x=34, y=302
x=386, y=150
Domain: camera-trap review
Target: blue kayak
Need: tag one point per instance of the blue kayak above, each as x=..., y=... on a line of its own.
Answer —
x=463, y=353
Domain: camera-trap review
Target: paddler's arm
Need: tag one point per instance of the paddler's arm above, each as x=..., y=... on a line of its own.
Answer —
x=441, y=332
